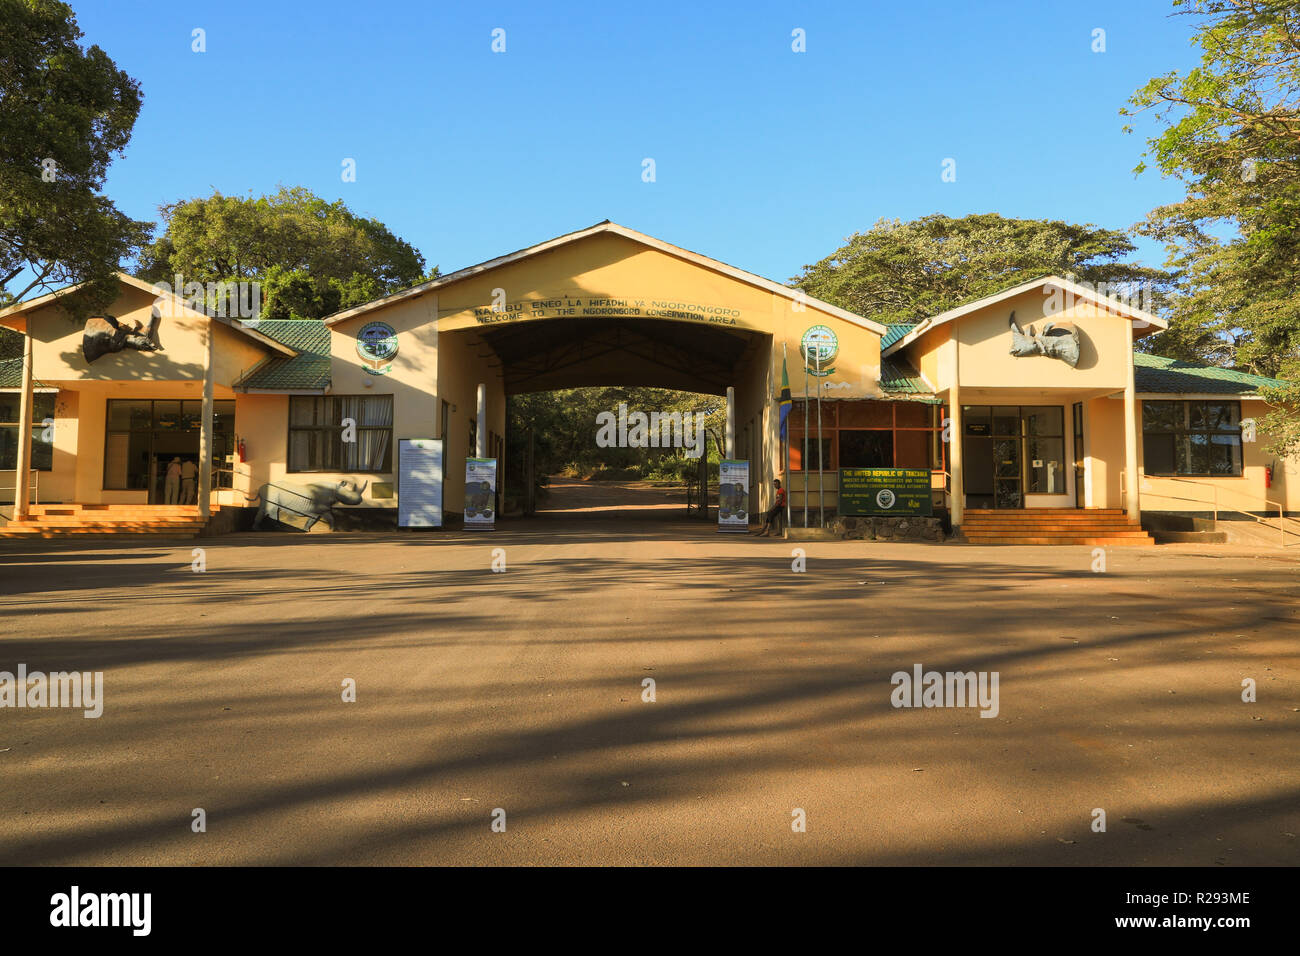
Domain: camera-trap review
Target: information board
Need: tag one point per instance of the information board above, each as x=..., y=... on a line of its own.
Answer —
x=480, y=492
x=885, y=491
x=733, y=495
x=419, y=483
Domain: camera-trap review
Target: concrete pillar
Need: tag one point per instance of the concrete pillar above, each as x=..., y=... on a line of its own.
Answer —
x=205, y=430
x=1131, y=503
x=22, y=476
x=731, y=422
x=957, y=489
x=481, y=429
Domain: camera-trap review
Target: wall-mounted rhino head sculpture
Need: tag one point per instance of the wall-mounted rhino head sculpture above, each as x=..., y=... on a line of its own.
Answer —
x=106, y=334
x=1057, y=340
x=314, y=502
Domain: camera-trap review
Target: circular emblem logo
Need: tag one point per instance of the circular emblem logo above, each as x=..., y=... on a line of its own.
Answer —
x=885, y=499
x=377, y=344
x=819, y=346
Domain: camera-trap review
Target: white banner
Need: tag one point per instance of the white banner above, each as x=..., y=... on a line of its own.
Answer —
x=480, y=492
x=733, y=495
x=419, y=483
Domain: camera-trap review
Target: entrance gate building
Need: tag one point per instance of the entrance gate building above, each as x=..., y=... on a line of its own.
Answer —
x=998, y=425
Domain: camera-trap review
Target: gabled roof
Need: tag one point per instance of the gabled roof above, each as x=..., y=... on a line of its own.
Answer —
x=308, y=370
x=898, y=377
x=1159, y=375
x=896, y=330
x=177, y=302
x=609, y=227
x=1140, y=319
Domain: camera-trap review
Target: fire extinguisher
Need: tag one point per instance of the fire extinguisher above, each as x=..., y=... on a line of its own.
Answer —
x=243, y=454
x=1268, y=476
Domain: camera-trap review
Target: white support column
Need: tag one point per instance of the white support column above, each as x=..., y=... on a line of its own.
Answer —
x=480, y=430
x=1131, y=503
x=731, y=422
x=957, y=490
x=205, y=430
x=22, y=476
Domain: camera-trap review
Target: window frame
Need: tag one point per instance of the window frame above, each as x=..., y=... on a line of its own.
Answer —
x=38, y=425
x=1184, y=433
x=336, y=433
x=831, y=434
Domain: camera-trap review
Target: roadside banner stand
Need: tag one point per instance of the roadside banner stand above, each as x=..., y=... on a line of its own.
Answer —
x=480, y=493
x=419, y=483
x=733, y=495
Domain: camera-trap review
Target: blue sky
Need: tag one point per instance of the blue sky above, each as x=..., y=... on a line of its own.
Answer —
x=765, y=158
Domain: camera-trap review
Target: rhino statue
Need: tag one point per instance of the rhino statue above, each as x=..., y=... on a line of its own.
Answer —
x=313, y=502
x=1057, y=340
x=105, y=335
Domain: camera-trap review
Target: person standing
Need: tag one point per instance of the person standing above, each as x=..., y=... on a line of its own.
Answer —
x=189, y=482
x=172, y=484
x=772, y=519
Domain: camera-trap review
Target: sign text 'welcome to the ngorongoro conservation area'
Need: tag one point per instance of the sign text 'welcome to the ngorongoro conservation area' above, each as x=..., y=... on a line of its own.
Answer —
x=584, y=307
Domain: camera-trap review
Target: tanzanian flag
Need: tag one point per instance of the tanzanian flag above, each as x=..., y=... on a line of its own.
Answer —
x=786, y=401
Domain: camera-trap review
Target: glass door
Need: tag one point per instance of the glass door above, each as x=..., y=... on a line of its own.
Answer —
x=1078, y=456
x=1007, y=478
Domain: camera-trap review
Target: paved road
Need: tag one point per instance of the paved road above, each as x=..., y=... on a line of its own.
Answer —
x=523, y=691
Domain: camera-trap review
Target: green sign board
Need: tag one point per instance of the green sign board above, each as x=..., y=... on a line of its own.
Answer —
x=885, y=491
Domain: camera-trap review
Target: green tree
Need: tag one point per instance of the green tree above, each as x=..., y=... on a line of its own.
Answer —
x=905, y=271
x=313, y=257
x=65, y=112
x=1229, y=129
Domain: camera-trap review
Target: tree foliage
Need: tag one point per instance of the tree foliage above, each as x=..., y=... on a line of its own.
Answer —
x=1229, y=129
x=564, y=429
x=312, y=257
x=905, y=271
x=65, y=113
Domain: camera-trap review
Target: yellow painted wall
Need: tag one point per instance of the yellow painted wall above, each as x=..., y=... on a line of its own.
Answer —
x=1104, y=419
x=413, y=383
x=462, y=368
x=984, y=343
x=57, y=339
x=608, y=266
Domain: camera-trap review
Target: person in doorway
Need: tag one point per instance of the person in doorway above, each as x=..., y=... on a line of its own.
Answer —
x=189, y=482
x=772, y=519
x=172, y=484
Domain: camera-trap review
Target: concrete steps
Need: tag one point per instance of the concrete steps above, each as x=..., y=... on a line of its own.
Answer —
x=1104, y=527
x=107, y=521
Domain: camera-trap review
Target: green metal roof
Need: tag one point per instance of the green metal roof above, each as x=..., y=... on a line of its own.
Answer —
x=1155, y=373
x=894, y=332
x=309, y=369
x=896, y=375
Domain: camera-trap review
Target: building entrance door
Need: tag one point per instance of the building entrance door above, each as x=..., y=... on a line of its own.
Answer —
x=169, y=446
x=1007, y=481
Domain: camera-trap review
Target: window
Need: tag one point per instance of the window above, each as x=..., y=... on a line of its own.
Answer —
x=316, y=433
x=1044, y=428
x=10, y=410
x=867, y=434
x=1013, y=449
x=141, y=436
x=1191, y=438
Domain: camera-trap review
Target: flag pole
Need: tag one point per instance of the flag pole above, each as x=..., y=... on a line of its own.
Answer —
x=786, y=473
x=803, y=462
x=821, y=480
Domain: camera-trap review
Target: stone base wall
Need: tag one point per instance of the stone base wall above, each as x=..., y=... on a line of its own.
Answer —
x=888, y=529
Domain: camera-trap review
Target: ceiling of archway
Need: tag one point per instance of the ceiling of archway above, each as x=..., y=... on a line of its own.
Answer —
x=572, y=353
